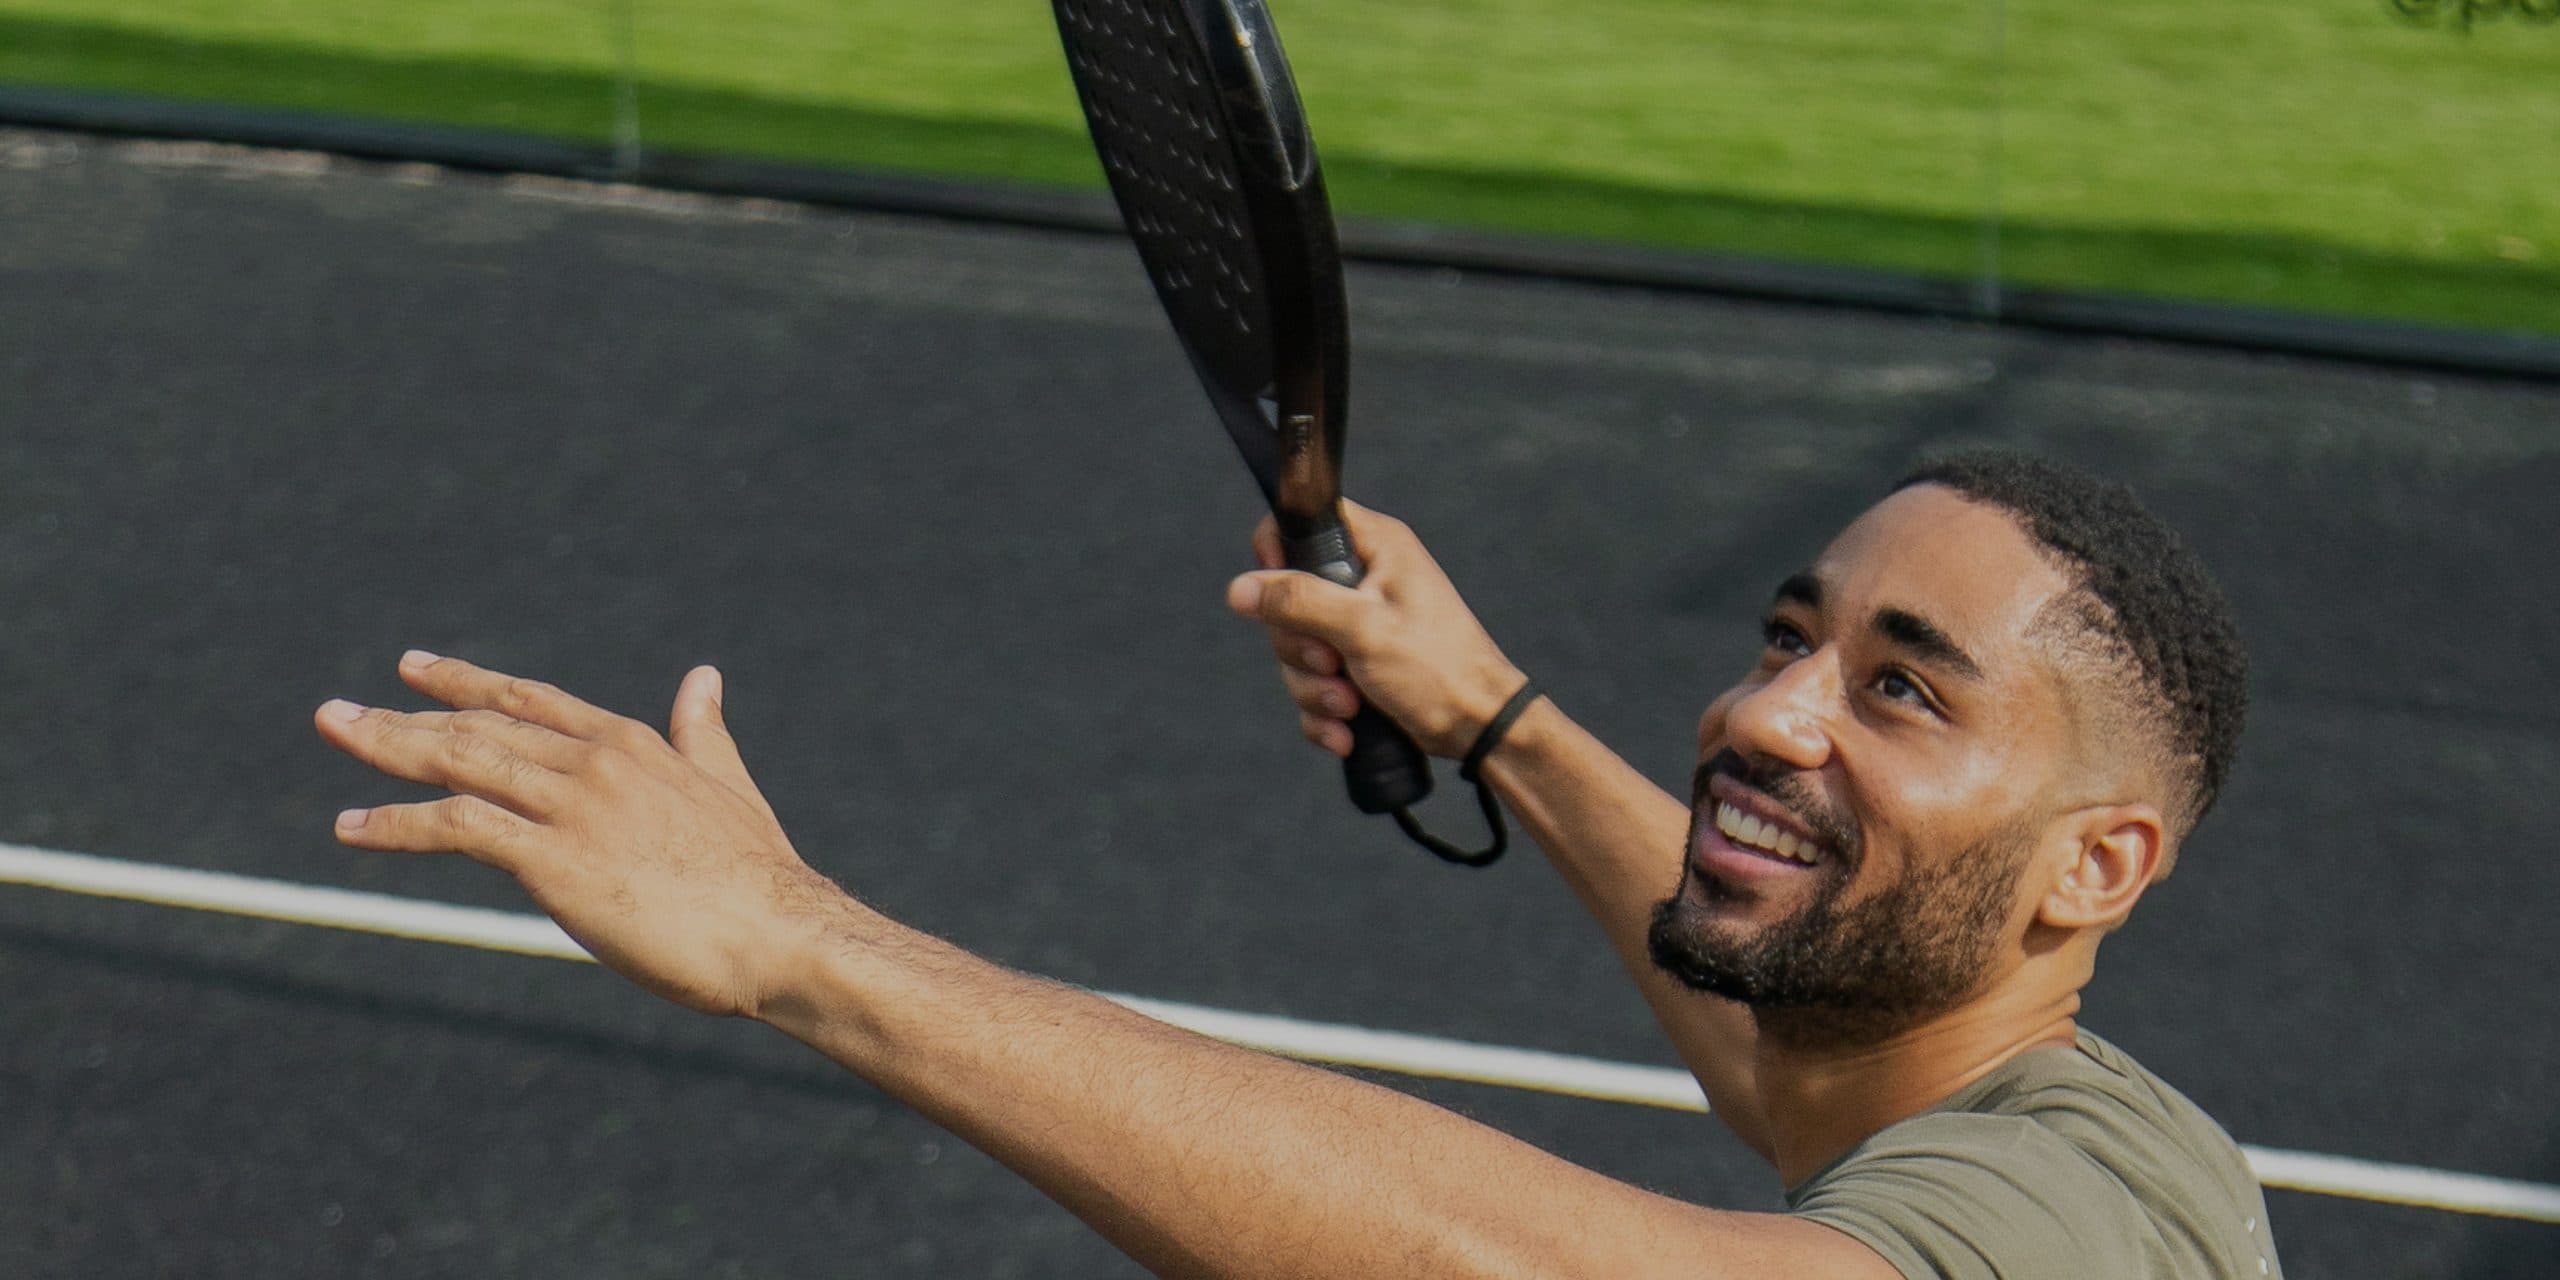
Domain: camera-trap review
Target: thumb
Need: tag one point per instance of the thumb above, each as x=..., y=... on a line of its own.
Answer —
x=1300, y=602
x=700, y=732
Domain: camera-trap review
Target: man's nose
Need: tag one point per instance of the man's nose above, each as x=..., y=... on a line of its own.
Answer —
x=1788, y=719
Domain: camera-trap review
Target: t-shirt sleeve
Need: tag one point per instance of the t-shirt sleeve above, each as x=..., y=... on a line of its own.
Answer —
x=1981, y=1197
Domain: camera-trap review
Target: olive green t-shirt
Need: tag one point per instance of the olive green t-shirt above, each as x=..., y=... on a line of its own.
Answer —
x=2074, y=1164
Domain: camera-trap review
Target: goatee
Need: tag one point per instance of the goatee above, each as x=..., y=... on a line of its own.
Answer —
x=1838, y=973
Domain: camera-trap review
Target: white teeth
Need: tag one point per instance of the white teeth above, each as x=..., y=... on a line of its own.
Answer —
x=1745, y=829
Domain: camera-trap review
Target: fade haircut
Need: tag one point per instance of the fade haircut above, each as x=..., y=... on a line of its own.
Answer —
x=2144, y=607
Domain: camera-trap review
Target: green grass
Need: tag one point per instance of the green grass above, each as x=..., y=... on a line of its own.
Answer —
x=2317, y=155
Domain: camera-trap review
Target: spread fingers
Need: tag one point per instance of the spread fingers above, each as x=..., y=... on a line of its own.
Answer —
x=466, y=825
x=439, y=749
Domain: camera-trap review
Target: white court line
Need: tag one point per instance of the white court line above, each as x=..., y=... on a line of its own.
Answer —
x=1665, y=1087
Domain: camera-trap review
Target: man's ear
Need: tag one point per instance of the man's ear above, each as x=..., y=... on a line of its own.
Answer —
x=2114, y=853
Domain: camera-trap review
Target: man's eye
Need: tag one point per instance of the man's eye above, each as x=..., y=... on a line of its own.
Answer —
x=1783, y=637
x=1900, y=688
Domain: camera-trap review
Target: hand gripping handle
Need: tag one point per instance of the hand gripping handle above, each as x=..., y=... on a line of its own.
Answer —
x=1385, y=771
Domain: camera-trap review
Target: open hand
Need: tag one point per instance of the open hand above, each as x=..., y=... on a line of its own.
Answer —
x=660, y=857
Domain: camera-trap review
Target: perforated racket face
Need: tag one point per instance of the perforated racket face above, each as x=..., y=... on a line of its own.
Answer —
x=1198, y=159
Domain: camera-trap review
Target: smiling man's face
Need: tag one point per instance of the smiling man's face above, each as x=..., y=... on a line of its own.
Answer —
x=1869, y=795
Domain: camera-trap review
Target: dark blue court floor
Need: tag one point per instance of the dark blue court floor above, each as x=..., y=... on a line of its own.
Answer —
x=945, y=505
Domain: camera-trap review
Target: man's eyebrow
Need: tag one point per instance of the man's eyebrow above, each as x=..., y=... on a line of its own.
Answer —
x=1804, y=589
x=1923, y=637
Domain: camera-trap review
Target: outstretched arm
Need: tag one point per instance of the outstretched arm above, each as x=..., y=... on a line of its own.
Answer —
x=1406, y=641
x=662, y=858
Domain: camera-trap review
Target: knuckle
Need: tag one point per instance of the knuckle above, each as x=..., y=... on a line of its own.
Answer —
x=462, y=750
x=463, y=816
x=609, y=763
x=510, y=769
x=481, y=722
x=1340, y=699
x=520, y=694
x=484, y=758
x=484, y=821
x=1315, y=695
x=476, y=825
x=1307, y=655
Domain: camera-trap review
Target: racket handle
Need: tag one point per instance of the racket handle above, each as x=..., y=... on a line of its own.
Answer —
x=1385, y=771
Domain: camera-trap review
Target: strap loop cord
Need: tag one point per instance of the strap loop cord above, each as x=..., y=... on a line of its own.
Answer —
x=1470, y=769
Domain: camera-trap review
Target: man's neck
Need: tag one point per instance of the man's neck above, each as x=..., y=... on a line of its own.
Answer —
x=1823, y=1098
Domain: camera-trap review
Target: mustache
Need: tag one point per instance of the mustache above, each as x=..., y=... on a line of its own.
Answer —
x=1789, y=787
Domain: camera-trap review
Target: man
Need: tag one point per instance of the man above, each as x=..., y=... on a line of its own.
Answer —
x=1985, y=719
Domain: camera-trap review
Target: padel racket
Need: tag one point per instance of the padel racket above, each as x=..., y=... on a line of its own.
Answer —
x=1198, y=125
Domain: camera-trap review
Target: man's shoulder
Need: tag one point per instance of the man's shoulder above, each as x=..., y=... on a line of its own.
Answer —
x=2059, y=1154
x=2128, y=1120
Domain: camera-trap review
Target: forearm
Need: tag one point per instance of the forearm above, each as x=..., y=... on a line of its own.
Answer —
x=662, y=859
x=1620, y=841
x=1404, y=642
x=1201, y=1159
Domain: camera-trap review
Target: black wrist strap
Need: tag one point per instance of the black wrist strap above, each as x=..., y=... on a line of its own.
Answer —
x=1499, y=725
x=1469, y=770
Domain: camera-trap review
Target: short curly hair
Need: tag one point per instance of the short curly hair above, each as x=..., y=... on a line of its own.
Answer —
x=2144, y=600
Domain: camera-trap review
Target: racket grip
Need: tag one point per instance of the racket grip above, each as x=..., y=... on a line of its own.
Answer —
x=1385, y=771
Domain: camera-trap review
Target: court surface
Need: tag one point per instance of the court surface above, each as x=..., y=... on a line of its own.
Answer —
x=945, y=505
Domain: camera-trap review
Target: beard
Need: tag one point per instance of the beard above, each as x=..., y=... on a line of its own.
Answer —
x=1837, y=973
